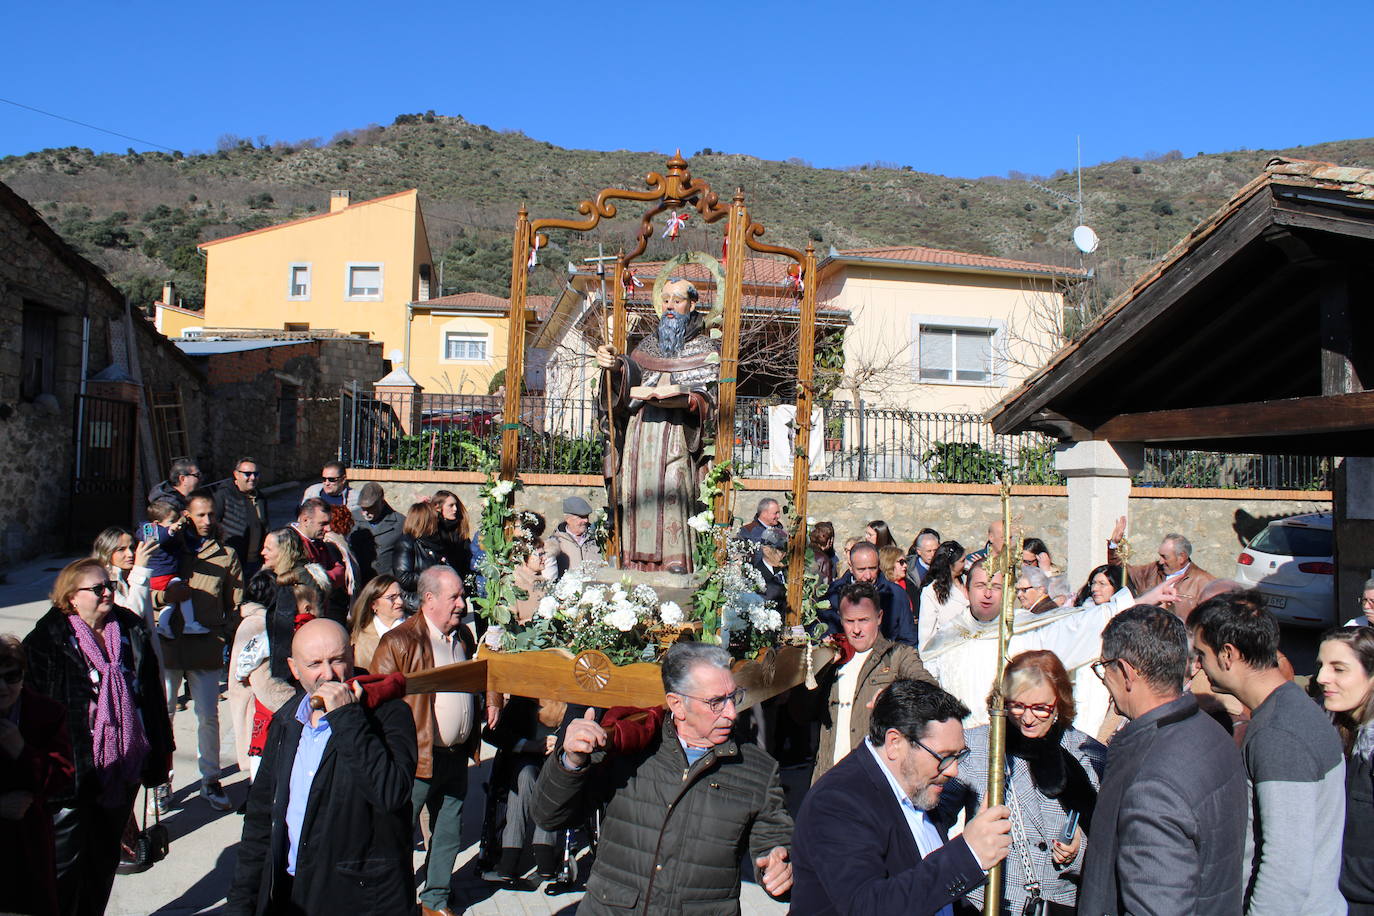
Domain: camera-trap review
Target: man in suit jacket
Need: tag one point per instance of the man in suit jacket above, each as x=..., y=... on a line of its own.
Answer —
x=899, y=620
x=1168, y=833
x=864, y=842
x=328, y=827
x=1175, y=563
x=848, y=687
x=771, y=562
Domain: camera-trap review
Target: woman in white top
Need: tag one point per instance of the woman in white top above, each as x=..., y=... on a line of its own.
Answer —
x=126, y=560
x=943, y=595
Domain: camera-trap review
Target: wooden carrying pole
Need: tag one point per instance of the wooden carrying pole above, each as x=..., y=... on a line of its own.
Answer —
x=1009, y=561
x=515, y=346
x=617, y=338
x=729, y=354
x=801, y=460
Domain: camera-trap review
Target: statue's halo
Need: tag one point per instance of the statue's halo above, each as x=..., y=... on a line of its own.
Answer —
x=692, y=257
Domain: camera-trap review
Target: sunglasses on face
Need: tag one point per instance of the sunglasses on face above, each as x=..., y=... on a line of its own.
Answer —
x=100, y=589
x=249, y=473
x=12, y=677
x=332, y=479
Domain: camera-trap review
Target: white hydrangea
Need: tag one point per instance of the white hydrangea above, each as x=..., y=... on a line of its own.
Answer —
x=502, y=488
x=594, y=597
x=645, y=595
x=670, y=613
x=622, y=617
x=548, y=606
x=568, y=586
x=700, y=523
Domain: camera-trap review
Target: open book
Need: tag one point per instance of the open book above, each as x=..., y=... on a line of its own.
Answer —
x=663, y=395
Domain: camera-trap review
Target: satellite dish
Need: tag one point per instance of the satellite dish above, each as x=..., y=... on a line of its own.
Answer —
x=396, y=357
x=1085, y=239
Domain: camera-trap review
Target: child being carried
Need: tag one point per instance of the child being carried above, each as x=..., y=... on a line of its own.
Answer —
x=164, y=528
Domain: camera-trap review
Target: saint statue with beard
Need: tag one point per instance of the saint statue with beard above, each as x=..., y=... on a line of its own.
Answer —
x=661, y=438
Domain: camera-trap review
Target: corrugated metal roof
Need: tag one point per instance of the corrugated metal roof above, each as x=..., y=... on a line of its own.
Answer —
x=216, y=347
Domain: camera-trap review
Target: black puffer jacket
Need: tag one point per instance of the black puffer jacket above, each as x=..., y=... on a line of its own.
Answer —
x=673, y=835
x=244, y=521
x=58, y=670
x=414, y=556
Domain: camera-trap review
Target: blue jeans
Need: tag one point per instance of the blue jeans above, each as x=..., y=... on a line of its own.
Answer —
x=443, y=794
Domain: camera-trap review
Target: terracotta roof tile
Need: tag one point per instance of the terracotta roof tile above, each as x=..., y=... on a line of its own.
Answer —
x=918, y=254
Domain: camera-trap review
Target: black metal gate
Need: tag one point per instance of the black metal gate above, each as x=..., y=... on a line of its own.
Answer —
x=103, y=474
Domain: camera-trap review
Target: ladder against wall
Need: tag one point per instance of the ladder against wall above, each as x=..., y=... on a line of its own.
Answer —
x=169, y=427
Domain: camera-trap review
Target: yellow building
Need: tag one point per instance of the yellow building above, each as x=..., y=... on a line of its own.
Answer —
x=355, y=269
x=457, y=343
x=942, y=331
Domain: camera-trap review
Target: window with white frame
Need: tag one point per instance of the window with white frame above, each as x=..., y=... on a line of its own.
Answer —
x=465, y=345
x=298, y=286
x=364, y=281
x=956, y=355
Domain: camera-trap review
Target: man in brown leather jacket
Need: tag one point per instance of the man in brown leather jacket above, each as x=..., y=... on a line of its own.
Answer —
x=1174, y=563
x=448, y=726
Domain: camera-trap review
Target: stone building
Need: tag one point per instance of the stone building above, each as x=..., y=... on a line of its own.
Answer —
x=275, y=396
x=69, y=376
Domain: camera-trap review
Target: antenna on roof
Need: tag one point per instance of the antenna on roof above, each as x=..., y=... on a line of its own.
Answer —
x=1083, y=237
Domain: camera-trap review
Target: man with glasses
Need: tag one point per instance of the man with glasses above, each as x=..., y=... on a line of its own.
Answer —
x=679, y=810
x=1033, y=592
x=183, y=477
x=333, y=487
x=1366, y=605
x=1168, y=833
x=242, y=514
x=865, y=842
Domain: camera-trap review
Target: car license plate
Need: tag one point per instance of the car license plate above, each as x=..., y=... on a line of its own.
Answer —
x=1275, y=601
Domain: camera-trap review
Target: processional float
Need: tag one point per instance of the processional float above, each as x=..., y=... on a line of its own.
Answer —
x=590, y=677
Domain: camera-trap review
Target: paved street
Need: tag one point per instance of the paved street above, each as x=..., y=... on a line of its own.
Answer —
x=196, y=876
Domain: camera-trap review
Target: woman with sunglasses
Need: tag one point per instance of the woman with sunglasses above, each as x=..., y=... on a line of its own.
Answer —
x=1053, y=771
x=98, y=660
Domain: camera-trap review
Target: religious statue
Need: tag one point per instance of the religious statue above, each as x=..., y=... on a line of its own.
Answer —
x=662, y=412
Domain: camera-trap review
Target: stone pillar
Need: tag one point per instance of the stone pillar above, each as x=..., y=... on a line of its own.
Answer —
x=404, y=396
x=1099, y=478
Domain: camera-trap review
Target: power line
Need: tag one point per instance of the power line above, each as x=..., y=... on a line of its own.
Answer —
x=113, y=133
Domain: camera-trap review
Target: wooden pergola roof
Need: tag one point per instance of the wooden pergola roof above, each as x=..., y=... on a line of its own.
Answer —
x=1254, y=334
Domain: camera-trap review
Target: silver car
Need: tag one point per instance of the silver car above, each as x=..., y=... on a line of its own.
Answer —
x=1290, y=563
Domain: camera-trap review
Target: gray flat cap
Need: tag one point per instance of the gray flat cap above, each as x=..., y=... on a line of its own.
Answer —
x=576, y=505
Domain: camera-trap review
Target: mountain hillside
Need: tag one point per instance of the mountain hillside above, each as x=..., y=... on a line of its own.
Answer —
x=140, y=215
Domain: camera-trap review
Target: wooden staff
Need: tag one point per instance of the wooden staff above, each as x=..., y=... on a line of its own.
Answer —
x=997, y=716
x=615, y=338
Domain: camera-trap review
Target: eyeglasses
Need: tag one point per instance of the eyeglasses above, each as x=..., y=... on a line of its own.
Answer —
x=332, y=479
x=195, y=474
x=943, y=761
x=1367, y=602
x=12, y=677
x=1039, y=710
x=717, y=704
x=1101, y=665
x=100, y=589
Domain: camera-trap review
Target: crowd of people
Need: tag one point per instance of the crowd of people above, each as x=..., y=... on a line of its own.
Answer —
x=1159, y=755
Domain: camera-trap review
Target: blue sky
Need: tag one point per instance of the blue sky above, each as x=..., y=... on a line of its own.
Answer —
x=966, y=89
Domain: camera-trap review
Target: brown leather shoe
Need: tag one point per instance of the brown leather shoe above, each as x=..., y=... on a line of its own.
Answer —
x=426, y=911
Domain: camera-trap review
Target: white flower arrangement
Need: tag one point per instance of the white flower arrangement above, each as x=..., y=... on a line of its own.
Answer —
x=670, y=613
x=700, y=523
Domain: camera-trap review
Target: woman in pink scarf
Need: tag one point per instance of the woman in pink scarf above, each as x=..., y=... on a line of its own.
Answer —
x=99, y=661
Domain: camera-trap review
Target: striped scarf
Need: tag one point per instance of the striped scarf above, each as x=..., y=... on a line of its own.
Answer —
x=118, y=742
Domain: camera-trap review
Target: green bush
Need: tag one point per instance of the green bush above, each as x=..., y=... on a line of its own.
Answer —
x=964, y=462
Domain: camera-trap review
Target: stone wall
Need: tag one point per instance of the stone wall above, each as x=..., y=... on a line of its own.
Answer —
x=37, y=448
x=247, y=388
x=1218, y=522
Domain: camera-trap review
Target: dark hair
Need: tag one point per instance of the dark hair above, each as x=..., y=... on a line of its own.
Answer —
x=862, y=545
x=920, y=534
x=1115, y=575
x=860, y=591
x=1240, y=619
x=940, y=575
x=178, y=470
x=1035, y=546
x=884, y=533
x=310, y=505
x=246, y=459
x=1361, y=642
x=820, y=533
x=464, y=532
x=533, y=523
x=338, y=466
x=1154, y=641
x=910, y=706
x=363, y=614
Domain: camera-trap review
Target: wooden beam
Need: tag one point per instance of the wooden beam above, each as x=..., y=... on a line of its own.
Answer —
x=1322, y=221
x=1125, y=330
x=1289, y=417
x=1337, y=337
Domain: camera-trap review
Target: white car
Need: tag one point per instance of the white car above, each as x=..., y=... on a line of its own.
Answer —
x=1290, y=563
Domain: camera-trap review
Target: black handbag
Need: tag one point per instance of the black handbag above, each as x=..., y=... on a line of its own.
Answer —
x=151, y=845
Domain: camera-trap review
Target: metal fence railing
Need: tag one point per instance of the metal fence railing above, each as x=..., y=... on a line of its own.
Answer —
x=854, y=442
